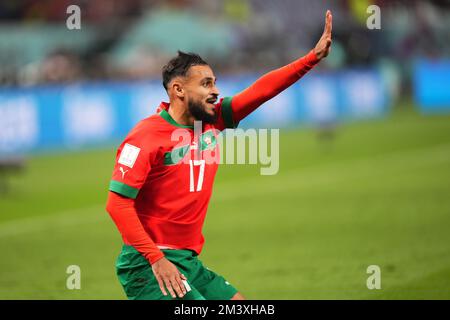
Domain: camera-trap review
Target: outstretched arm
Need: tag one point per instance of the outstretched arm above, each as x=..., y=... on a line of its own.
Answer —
x=274, y=82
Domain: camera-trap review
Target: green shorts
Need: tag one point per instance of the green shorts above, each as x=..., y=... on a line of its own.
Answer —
x=137, y=278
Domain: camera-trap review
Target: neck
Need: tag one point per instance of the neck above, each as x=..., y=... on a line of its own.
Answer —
x=179, y=112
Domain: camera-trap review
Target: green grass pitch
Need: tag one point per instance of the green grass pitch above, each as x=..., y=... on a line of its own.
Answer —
x=376, y=194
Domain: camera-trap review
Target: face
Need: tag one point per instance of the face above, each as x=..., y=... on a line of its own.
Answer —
x=201, y=93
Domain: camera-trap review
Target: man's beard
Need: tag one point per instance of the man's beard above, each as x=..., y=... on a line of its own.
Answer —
x=197, y=110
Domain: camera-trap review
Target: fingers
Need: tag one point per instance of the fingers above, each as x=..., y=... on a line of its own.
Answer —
x=181, y=281
x=169, y=287
x=161, y=285
x=178, y=285
x=169, y=278
x=328, y=23
x=174, y=285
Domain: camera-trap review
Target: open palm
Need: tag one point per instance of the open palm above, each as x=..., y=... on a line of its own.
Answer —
x=323, y=47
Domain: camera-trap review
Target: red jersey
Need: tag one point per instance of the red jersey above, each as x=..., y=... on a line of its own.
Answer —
x=168, y=174
x=162, y=165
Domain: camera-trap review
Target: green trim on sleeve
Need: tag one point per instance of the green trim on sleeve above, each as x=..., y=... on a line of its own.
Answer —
x=227, y=113
x=123, y=189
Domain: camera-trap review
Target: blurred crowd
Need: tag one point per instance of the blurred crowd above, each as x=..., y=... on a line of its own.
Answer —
x=123, y=40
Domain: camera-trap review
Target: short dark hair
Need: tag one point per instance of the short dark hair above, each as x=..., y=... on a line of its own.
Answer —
x=179, y=66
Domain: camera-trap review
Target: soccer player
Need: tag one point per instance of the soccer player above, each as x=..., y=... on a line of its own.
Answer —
x=158, y=201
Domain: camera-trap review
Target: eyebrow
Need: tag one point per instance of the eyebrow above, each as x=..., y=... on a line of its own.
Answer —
x=209, y=78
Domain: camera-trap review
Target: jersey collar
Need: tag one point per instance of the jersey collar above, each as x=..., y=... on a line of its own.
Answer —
x=166, y=116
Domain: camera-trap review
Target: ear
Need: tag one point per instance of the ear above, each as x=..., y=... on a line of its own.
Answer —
x=178, y=89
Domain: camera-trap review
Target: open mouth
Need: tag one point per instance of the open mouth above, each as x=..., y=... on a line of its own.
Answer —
x=211, y=100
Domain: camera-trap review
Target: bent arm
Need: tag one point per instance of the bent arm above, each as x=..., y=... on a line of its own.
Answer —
x=270, y=85
x=124, y=215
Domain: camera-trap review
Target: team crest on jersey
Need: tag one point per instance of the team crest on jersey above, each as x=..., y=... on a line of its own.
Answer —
x=208, y=140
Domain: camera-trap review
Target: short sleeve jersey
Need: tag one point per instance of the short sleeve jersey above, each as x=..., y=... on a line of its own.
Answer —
x=169, y=169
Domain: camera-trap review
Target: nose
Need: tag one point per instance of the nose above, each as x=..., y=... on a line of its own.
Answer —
x=215, y=91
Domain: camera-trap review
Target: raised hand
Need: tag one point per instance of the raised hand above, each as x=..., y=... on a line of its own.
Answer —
x=323, y=47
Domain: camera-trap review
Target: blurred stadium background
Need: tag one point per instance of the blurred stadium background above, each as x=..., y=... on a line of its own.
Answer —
x=365, y=143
